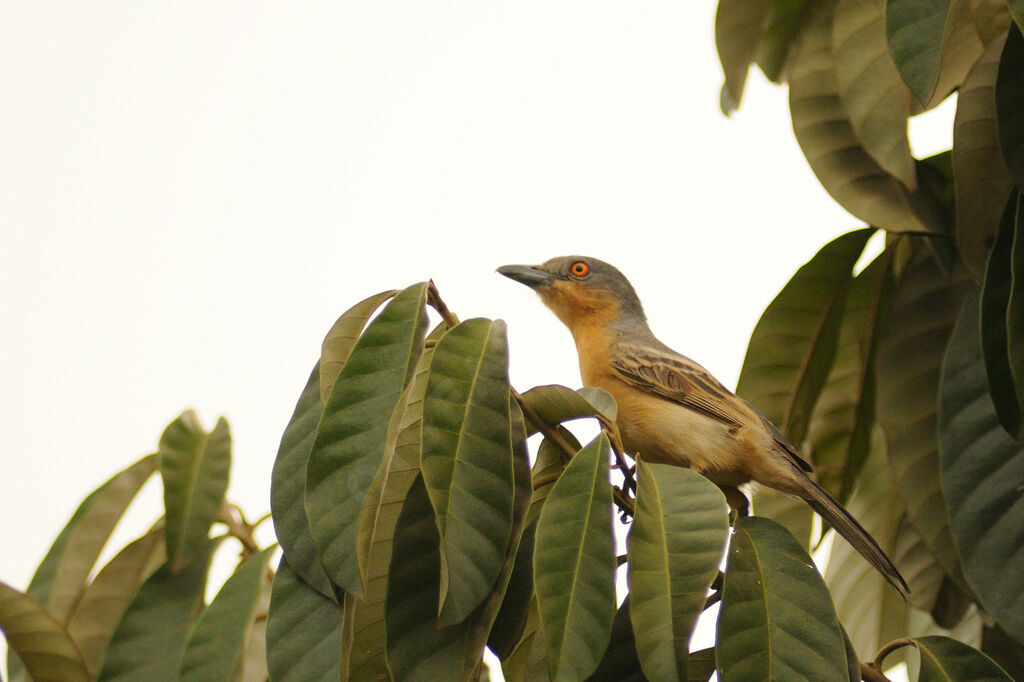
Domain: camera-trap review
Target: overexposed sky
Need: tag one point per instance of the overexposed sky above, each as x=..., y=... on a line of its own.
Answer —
x=191, y=192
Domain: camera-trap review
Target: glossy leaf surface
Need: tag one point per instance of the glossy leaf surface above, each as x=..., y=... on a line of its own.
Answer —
x=39, y=640
x=574, y=564
x=352, y=439
x=194, y=465
x=943, y=659
x=342, y=337
x=555, y=404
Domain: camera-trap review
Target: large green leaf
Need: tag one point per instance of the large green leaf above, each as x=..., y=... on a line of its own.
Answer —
x=341, y=338
x=997, y=315
x=528, y=662
x=194, y=466
x=303, y=630
x=911, y=346
x=776, y=620
x=555, y=404
x=934, y=44
x=839, y=435
x=109, y=594
x=872, y=91
x=738, y=26
x=364, y=627
x=944, y=659
x=1009, y=95
x=982, y=469
x=826, y=135
x=40, y=641
x=620, y=662
x=1004, y=650
x=216, y=647
x=149, y=642
x=872, y=612
x=676, y=543
x=467, y=460
x=982, y=182
x=782, y=26
x=288, y=487
x=574, y=564
x=352, y=438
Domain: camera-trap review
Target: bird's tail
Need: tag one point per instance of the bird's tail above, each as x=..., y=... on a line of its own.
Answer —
x=847, y=526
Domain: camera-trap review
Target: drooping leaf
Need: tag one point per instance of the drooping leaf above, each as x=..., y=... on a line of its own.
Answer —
x=738, y=26
x=467, y=460
x=253, y=666
x=675, y=546
x=826, y=135
x=776, y=620
x=216, y=646
x=620, y=662
x=528, y=661
x=782, y=26
x=342, y=337
x=352, y=438
x=1015, y=312
x=574, y=564
x=982, y=182
x=1004, y=650
x=39, y=640
x=288, y=487
x=911, y=345
x=982, y=469
x=933, y=43
x=839, y=435
x=943, y=659
x=364, y=627
x=303, y=630
x=1009, y=94
x=555, y=404
x=194, y=466
x=103, y=604
x=996, y=317
x=149, y=642
x=872, y=612
x=874, y=95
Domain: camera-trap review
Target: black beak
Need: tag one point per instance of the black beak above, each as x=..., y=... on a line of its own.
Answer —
x=529, y=275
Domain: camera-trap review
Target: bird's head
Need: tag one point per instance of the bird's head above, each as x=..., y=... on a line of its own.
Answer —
x=582, y=291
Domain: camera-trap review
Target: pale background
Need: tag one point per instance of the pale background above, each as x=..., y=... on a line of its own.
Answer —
x=191, y=192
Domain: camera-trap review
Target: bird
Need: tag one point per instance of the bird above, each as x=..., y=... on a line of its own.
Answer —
x=672, y=410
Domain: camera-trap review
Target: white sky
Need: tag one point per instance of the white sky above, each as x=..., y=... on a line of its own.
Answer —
x=191, y=192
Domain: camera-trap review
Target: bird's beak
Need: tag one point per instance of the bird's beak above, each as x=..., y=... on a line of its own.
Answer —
x=529, y=275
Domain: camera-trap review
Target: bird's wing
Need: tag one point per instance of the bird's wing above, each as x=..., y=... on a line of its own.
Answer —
x=679, y=379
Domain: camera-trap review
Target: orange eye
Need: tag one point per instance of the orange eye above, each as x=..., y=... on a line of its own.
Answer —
x=579, y=269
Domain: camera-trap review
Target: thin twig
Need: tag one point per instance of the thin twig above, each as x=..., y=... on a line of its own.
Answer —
x=888, y=649
x=549, y=432
x=612, y=429
x=434, y=297
x=869, y=673
x=238, y=528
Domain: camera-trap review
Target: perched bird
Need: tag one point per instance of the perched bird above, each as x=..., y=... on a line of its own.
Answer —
x=671, y=409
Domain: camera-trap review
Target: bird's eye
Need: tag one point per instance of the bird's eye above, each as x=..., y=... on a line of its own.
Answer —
x=579, y=269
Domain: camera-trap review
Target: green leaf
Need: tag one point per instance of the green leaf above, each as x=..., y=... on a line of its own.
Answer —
x=997, y=316
x=675, y=546
x=39, y=640
x=782, y=27
x=467, y=461
x=194, y=466
x=911, y=345
x=555, y=404
x=303, y=630
x=737, y=34
x=574, y=564
x=342, y=337
x=216, y=647
x=1009, y=95
x=1004, y=650
x=826, y=135
x=991, y=19
x=877, y=100
x=352, y=438
x=982, y=182
x=253, y=665
x=776, y=620
x=982, y=469
x=364, y=625
x=288, y=487
x=528, y=662
x=63, y=575
x=1016, y=8
x=871, y=610
x=104, y=602
x=839, y=434
x=149, y=642
x=944, y=659
x=620, y=662
x=934, y=44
